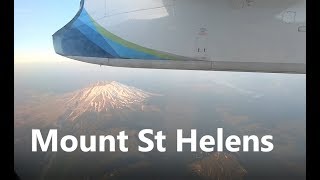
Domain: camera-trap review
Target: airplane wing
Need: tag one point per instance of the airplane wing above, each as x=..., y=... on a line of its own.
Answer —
x=221, y=35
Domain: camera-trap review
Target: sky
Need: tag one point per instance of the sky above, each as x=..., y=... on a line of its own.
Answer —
x=34, y=23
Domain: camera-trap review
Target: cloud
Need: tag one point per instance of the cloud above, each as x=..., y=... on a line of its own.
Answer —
x=241, y=90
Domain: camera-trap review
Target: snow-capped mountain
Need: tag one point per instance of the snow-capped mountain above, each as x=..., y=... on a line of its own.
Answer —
x=105, y=96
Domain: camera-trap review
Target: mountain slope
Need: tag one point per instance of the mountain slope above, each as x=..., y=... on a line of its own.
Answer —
x=105, y=96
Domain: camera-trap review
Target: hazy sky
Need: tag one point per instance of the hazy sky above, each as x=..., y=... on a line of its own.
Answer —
x=36, y=20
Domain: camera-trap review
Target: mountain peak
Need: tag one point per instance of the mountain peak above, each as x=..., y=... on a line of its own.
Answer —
x=104, y=96
x=103, y=83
